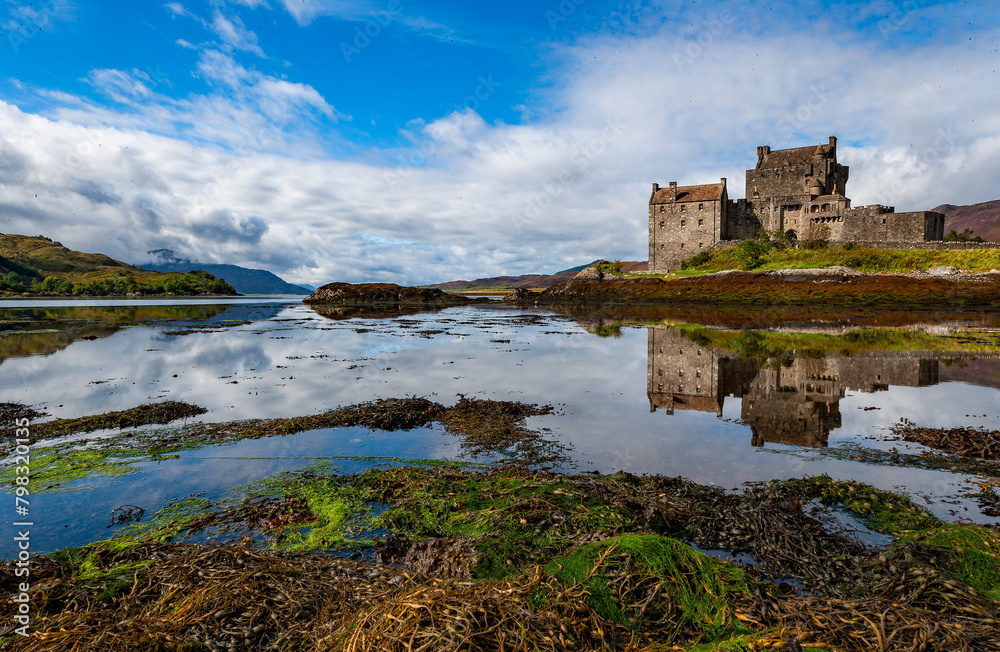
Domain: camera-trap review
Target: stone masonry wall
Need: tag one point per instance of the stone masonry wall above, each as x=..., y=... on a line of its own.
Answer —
x=679, y=230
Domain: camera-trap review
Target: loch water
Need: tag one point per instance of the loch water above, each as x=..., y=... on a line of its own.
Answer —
x=644, y=395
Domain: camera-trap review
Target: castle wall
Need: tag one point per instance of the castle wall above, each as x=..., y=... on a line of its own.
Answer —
x=679, y=230
x=881, y=223
x=779, y=182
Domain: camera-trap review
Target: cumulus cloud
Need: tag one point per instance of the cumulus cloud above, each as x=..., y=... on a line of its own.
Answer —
x=465, y=198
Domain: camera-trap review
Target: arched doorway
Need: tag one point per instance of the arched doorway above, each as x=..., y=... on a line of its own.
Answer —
x=793, y=238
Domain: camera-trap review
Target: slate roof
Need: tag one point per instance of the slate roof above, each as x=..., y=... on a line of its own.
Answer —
x=707, y=192
x=795, y=156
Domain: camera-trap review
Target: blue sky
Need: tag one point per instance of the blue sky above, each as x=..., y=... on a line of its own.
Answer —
x=417, y=142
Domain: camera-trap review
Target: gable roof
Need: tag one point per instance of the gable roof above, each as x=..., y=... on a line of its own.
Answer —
x=794, y=156
x=707, y=192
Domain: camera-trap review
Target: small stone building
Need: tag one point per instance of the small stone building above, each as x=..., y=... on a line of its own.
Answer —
x=800, y=191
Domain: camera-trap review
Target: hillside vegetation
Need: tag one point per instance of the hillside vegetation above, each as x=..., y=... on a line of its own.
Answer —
x=38, y=266
x=770, y=252
x=982, y=218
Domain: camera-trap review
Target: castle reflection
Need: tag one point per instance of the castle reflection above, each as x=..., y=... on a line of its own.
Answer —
x=791, y=400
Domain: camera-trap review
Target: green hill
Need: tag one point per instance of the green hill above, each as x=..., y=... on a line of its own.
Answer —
x=35, y=265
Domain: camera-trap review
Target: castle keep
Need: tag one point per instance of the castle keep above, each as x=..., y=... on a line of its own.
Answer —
x=801, y=192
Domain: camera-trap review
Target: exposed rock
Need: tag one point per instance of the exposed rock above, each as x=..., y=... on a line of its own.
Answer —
x=943, y=270
x=519, y=295
x=589, y=274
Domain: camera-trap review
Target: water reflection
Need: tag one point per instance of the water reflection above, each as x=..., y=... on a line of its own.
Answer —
x=791, y=399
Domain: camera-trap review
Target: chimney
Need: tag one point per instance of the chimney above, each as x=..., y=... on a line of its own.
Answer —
x=673, y=191
x=656, y=187
x=833, y=142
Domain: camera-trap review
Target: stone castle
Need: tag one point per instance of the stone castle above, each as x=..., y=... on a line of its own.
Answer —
x=801, y=192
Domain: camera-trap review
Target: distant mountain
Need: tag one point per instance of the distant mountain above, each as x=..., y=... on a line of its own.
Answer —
x=245, y=280
x=527, y=281
x=983, y=219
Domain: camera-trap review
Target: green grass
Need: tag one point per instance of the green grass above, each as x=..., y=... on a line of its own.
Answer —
x=862, y=259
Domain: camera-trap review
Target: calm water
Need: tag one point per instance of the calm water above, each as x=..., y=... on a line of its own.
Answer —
x=642, y=398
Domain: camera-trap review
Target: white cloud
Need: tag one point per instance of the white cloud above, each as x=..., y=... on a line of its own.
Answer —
x=381, y=12
x=233, y=32
x=467, y=198
x=177, y=9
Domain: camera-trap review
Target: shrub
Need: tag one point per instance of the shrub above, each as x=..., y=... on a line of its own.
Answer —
x=964, y=236
x=696, y=260
x=751, y=253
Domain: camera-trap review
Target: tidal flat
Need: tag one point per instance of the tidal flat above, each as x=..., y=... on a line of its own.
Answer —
x=260, y=474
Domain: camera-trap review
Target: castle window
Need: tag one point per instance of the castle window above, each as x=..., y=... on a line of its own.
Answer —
x=662, y=208
x=826, y=207
x=662, y=222
x=883, y=220
x=683, y=222
x=680, y=373
x=661, y=246
x=683, y=207
x=682, y=244
x=701, y=222
x=698, y=388
x=701, y=245
x=659, y=372
x=697, y=374
x=680, y=388
x=701, y=207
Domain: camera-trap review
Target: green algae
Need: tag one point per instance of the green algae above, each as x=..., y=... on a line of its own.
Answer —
x=53, y=471
x=168, y=523
x=485, y=428
x=969, y=552
x=645, y=580
x=882, y=511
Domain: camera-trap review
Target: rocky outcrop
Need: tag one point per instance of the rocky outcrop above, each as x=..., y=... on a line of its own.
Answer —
x=348, y=294
x=519, y=295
